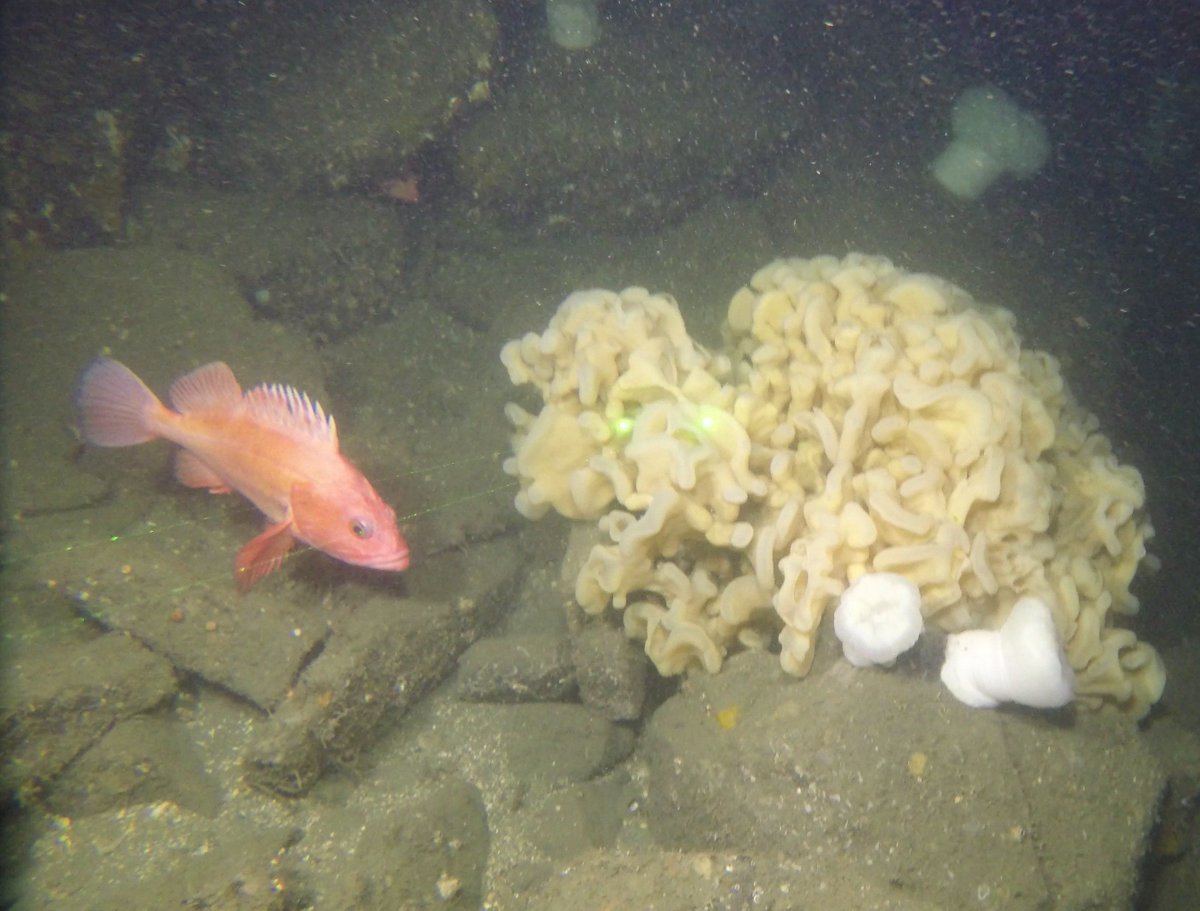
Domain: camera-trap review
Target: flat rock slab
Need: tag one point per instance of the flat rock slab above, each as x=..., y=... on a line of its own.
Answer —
x=63, y=696
x=379, y=659
x=157, y=856
x=146, y=759
x=165, y=578
x=958, y=805
x=685, y=881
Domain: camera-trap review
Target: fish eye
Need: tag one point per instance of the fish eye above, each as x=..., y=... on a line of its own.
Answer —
x=361, y=528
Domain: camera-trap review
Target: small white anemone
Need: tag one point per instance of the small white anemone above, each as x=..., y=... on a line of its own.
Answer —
x=573, y=24
x=878, y=618
x=1021, y=662
x=993, y=136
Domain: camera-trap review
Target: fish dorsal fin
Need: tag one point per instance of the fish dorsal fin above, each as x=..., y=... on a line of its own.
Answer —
x=287, y=409
x=205, y=388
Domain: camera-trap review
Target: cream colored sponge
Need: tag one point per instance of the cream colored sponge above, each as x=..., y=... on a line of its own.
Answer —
x=859, y=419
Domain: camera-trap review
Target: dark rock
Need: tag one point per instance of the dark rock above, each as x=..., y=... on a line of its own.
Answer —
x=517, y=668
x=509, y=751
x=327, y=266
x=554, y=743
x=611, y=672
x=348, y=99
x=569, y=821
x=634, y=133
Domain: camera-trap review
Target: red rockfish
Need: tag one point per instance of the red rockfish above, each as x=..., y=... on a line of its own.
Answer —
x=273, y=445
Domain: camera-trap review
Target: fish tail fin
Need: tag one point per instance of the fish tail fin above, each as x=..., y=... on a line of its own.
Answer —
x=115, y=407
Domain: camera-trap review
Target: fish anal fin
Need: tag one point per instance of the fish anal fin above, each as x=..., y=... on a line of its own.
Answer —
x=191, y=472
x=212, y=386
x=262, y=555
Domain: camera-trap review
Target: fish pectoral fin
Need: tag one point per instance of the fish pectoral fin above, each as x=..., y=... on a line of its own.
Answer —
x=191, y=472
x=262, y=555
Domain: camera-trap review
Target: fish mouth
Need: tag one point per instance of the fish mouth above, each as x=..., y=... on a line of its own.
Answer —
x=396, y=561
